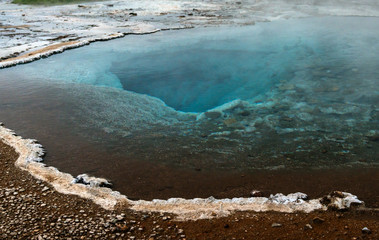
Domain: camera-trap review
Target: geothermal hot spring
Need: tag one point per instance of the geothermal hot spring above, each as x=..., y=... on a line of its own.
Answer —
x=283, y=106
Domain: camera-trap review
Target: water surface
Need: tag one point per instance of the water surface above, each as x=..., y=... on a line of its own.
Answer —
x=290, y=95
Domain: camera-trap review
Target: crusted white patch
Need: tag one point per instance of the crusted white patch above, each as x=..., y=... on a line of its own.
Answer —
x=91, y=181
x=200, y=208
x=30, y=157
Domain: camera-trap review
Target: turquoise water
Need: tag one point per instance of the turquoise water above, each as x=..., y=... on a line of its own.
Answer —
x=287, y=94
x=193, y=71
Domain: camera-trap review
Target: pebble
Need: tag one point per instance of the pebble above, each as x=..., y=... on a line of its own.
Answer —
x=274, y=225
x=212, y=115
x=365, y=230
x=318, y=220
x=256, y=193
x=307, y=227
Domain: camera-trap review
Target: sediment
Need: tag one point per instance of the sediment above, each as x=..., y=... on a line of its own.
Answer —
x=32, y=209
x=30, y=159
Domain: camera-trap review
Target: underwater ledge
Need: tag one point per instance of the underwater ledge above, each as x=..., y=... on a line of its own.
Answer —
x=31, y=157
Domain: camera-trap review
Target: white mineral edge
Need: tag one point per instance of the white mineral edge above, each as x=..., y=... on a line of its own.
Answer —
x=30, y=158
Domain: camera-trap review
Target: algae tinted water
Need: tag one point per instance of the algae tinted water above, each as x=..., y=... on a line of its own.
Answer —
x=285, y=95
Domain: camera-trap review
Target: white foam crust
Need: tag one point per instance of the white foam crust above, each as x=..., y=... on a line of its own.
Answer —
x=30, y=159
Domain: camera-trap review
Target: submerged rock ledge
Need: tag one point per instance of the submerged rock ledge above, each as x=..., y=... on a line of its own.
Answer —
x=30, y=159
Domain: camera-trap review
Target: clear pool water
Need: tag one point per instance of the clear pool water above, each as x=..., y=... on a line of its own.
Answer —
x=287, y=94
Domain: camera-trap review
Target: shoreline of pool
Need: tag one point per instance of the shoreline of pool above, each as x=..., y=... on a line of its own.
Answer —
x=31, y=157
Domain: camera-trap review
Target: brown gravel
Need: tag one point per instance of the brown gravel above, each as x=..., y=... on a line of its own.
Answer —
x=31, y=209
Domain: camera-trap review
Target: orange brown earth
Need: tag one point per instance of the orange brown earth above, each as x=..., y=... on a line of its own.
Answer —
x=31, y=209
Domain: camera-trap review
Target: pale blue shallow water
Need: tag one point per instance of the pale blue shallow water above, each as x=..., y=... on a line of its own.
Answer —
x=310, y=91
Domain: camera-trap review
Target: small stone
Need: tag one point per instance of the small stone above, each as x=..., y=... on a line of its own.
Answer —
x=307, y=227
x=365, y=230
x=230, y=121
x=318, y=220
x=338, y=194
x=256, y=193
x=287, y=87
x=275, y=225
x=374, y=138
x=212, y=115
x=119, y=217
x=45, y=189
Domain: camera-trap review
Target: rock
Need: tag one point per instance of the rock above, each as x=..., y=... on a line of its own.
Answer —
x=338, y=194
x=318, y=220
x=287, y=87
x=365, y=230
x=212, y=115
x=245, y=113
x=119, y=217
x=256, y=193
x=275, y=225
x=230, y=121
x=374, y=138
x=308, y=227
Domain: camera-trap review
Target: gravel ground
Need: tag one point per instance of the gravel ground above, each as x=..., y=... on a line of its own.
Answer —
x=31, y=209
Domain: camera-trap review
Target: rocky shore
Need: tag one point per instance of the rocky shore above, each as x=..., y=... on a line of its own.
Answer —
x=31, y=209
